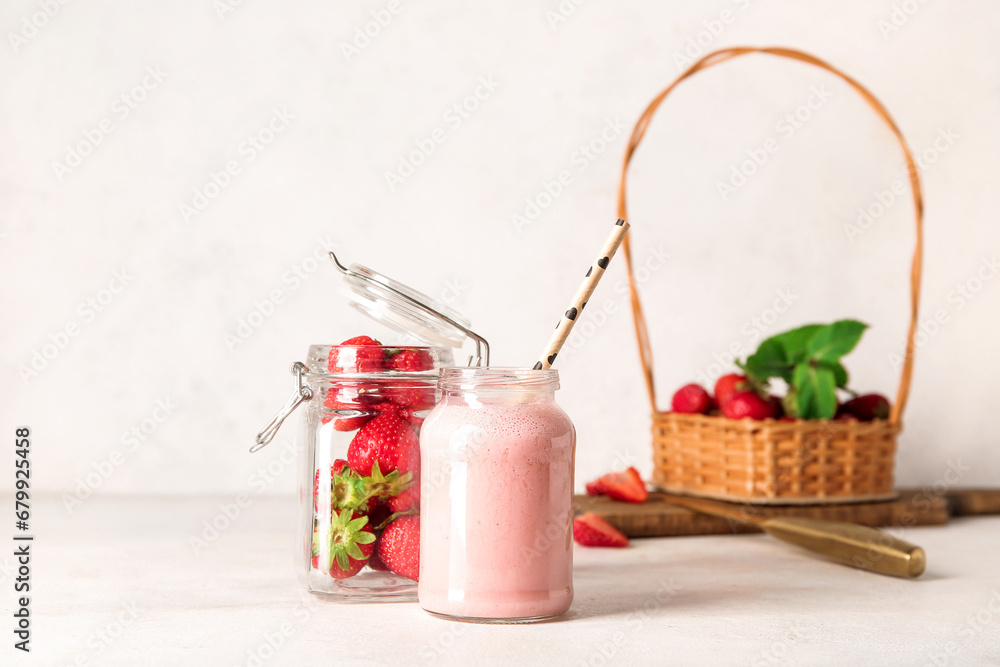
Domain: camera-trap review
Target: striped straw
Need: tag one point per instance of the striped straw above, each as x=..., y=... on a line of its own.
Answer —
x=576, y=306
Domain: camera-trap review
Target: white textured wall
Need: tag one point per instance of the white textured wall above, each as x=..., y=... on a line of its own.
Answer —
x=209, y=79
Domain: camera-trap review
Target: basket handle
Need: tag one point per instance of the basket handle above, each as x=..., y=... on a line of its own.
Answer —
x=717, y=58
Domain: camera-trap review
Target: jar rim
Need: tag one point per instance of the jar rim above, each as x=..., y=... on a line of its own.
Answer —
x=499, y=378
x=316, y=364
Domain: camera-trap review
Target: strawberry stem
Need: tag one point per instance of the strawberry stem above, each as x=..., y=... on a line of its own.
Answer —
x=395, y=515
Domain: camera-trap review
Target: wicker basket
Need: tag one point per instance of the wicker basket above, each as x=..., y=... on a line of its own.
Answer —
x=771, y=461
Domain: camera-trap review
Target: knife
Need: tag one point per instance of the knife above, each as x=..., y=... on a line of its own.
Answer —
x=848, y=543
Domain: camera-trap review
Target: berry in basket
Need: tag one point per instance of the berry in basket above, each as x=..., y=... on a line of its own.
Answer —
x=691, y=399
x=727, y=385
x=748, y=404
x=808, y=361
x=866, y=408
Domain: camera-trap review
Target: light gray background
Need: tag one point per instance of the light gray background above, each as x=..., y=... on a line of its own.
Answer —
x=448, y=230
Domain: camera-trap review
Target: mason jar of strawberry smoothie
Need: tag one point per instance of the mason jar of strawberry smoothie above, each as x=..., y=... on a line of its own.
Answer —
x=496, y=494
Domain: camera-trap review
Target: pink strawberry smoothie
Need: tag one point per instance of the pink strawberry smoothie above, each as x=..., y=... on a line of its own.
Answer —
x=497, y=508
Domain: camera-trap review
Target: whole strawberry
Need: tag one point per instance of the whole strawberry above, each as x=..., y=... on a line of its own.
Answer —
x=399, y=546
x=777, y=407
x=727, y=386
x=387, y=439
x=867, y=407
x=379, y=511
x=347, y=489
x=691, y=399
x=745, y=404
x=347, y=546
x=339, y=466
x=410, y=360
x=360, y=354
x=407, y=500
x=375, y=563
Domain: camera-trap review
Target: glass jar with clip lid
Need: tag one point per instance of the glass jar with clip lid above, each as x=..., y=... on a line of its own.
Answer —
x=363, y=405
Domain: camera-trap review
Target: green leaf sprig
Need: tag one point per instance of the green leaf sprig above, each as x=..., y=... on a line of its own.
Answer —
x=808, y=359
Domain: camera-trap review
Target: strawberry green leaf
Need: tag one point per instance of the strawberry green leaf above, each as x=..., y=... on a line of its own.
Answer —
x=833, y=341
x=356, y=524
x=378, y=485
x=346, y=534
x=839, y=374
x=768, y=361
x=795, y=341
x=328, y=560
x=815, y=391
x=808, y=359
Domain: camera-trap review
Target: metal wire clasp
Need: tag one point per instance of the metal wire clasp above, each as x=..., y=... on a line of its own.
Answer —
x=301, y=395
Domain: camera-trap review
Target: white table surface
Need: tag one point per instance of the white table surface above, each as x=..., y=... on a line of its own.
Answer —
x=117, y=583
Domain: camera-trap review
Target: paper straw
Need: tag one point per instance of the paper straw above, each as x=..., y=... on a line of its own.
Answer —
x=576, y=306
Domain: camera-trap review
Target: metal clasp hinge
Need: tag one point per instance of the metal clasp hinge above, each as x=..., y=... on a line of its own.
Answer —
x=301, y=395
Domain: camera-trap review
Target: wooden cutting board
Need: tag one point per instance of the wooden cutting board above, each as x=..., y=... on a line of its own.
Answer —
x=914, y=507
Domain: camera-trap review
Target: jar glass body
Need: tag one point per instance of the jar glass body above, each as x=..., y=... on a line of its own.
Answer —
x=497, y=460
x=361, y=464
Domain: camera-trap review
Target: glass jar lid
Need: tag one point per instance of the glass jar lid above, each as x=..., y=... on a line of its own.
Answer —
x=399, y=307
x=408, y=311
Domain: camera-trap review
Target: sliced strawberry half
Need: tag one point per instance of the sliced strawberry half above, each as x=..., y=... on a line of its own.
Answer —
x=591, y=530
x=626, y=486
x=595, y=488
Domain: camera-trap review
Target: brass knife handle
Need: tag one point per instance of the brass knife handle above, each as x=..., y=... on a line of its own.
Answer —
x=859, y=546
